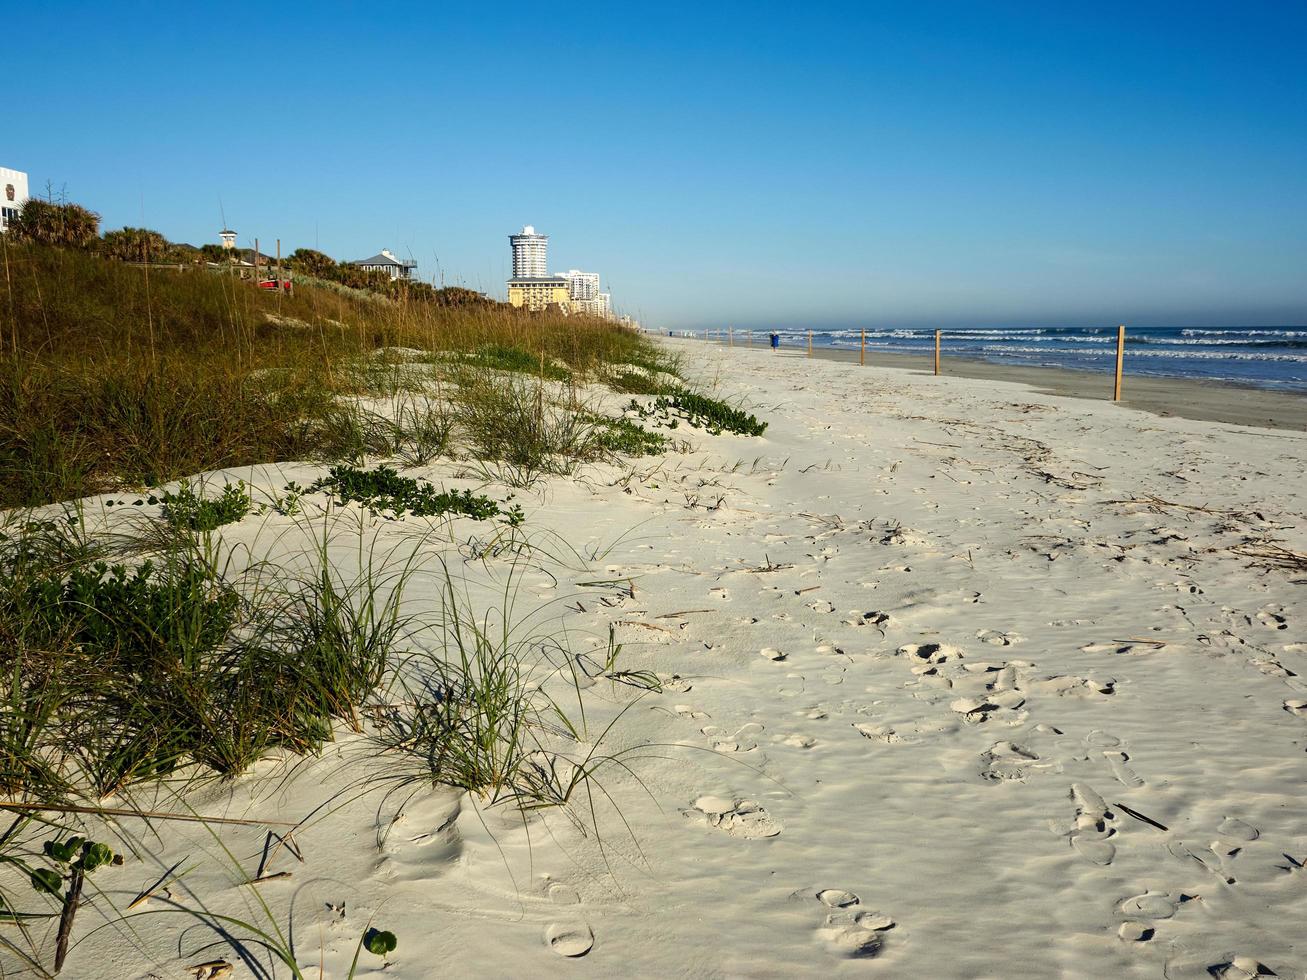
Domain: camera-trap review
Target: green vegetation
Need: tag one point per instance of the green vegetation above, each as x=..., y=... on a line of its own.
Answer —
x=383, y=489
x=114, y=376
x=500, y=358
x=118, y=674
x=701, y=412
x=187, y=509
x=628, y=438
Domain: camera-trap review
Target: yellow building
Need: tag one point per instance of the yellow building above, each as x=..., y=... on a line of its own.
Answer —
x=540, y=293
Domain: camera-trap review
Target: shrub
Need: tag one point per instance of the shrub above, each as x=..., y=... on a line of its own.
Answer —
x=135, y=245
x=64, y=225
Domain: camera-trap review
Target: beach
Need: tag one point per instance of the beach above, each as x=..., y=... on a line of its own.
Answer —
x=954, y=678
x=1212, y=401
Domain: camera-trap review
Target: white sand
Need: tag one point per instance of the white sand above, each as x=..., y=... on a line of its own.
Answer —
x=918, y=663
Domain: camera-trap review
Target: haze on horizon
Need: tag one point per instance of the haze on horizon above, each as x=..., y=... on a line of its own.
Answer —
x=760, y=165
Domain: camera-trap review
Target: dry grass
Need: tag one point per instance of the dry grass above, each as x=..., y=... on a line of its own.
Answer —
x=116, y=375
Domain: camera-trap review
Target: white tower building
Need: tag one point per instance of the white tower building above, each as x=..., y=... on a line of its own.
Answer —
x=228, y=239
x=529, y=254
x=582, y=285
x=13, y=194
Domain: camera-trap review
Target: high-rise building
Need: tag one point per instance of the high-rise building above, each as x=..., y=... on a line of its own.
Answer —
x=529, y=254
x=582, y=285
x=13, y=183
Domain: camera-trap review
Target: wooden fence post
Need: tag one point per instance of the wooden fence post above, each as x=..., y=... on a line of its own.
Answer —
x=862, y=351
x=750, y=336
x=1120, y=357
x=730, y=336
x=810, y=343
x=936, y=352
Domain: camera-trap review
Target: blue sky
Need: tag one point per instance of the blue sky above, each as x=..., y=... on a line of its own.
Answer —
x=761, y=164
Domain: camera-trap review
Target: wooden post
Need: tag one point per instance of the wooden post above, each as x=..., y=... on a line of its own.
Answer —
x=1120, y=357
x=750, y=335
x=256, y=261
x=810, y=343
x=937, y=352
x=862, y=351
x=730, y=336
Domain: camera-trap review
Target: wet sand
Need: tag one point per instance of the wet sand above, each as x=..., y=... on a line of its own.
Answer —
x=1189, y=398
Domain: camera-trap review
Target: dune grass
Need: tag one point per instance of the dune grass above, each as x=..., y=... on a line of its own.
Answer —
x=115, y=375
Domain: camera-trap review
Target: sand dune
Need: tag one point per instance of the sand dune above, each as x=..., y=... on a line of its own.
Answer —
x=959, y=680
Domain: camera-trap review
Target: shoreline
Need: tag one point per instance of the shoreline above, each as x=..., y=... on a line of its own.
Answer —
x=1189, y=398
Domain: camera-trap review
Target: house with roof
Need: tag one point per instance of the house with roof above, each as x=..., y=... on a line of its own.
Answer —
x=385, y=261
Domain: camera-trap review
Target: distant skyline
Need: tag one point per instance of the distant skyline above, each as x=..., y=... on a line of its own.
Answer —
x=760, y=165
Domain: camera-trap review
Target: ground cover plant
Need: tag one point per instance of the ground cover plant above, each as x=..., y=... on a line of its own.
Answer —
x=384, y=489
x=699, y=411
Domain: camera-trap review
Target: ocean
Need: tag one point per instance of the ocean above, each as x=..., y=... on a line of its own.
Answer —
x=1269, y=357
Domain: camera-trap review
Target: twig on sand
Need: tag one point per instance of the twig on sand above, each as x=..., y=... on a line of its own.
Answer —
x=768, y=567
x=1139, y=816
x=1269, y=553
x=154, y=889
x=683, y=612
x=648, y=626
x=1158, y=505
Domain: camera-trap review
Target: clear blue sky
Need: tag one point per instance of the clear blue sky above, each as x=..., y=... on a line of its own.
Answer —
x=757, y=164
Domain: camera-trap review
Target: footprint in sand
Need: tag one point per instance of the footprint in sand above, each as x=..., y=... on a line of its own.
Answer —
x=1297, y=707
x=771, y=653
x=833, y=675
x=798, y=741
x=691, y=712
x=1010, y=762
x=978, y=711
x=1090, y=837
x=792, y=686
x=995, y=638
x=932, y=654
x=1272, y=617
x=1238, y=829
x=1204, y=856
x=1117, y=758
x=570, y=939
x=1152, y=905
x=1227, y=966
x=851, y=930
x=878, y=733
x=1069, y=685
x=1125, y=648
x=744, y=740
x=1126, y=776
x=739, y=818
x=874, y=618
x=820, y=605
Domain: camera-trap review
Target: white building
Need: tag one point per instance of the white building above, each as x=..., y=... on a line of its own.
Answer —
x=228, y=239
x=13, y=184
x=385, y=261
x=582, y=285
x=529, y=250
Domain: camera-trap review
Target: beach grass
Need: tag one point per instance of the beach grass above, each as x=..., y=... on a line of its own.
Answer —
x=116, y=375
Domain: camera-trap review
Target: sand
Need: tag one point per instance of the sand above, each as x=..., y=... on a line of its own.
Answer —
x=960, y=679
x=1189, y=398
